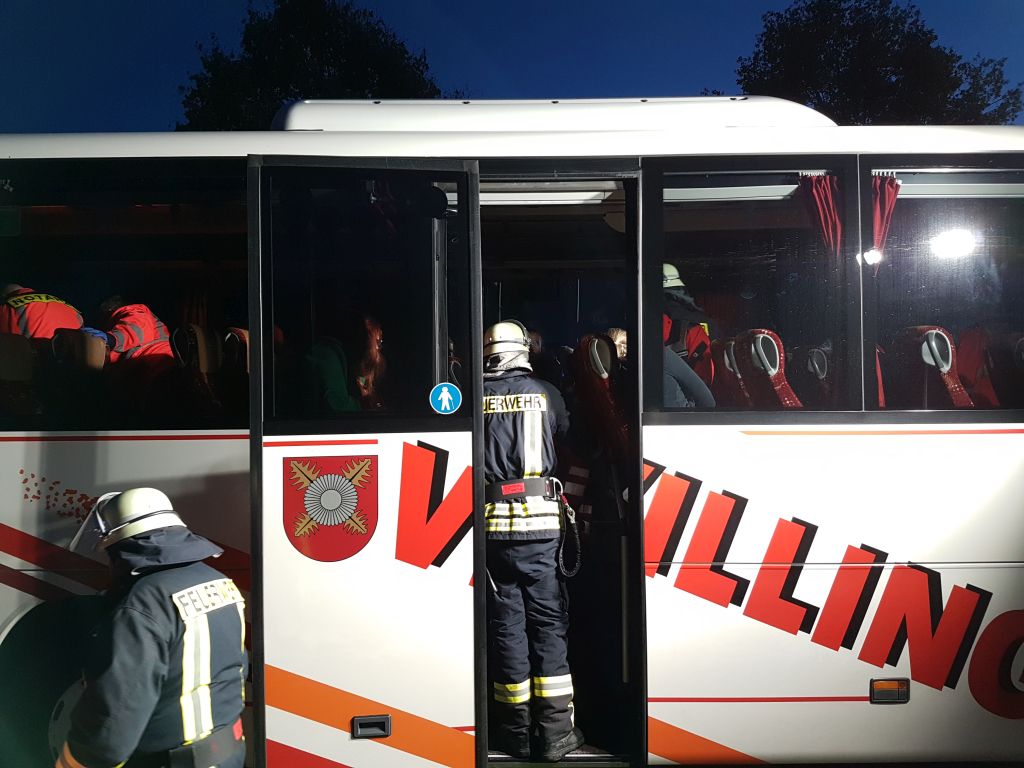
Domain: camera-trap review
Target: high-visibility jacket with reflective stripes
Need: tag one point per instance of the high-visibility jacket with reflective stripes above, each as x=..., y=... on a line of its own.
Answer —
x=36, y=315
x=519, y=428
x=168, y=667
x=137, y=332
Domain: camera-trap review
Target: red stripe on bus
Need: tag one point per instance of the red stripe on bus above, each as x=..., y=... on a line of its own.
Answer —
x=30, y=585
x=877, y=432
x=282, y=756
x=750, y=699
x=287, y=443
x=112, y=438
x=53, y=558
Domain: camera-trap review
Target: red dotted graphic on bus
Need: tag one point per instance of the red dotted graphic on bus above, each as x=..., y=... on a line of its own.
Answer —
x=66, y=502
x=330, y=505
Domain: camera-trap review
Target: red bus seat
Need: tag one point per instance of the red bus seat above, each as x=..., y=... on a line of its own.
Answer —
x=810, y=375
x=17, y=370
x=923, y=372
x=761, y=360
x=727, y=387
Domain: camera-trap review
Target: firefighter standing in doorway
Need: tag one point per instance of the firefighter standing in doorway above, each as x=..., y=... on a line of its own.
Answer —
x=166, y=671
x=527, y=606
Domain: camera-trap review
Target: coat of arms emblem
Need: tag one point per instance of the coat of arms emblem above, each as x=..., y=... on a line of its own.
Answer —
x=330, y=505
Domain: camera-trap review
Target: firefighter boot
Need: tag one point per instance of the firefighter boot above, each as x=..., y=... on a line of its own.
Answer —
x=517, y=748
x=556, y=750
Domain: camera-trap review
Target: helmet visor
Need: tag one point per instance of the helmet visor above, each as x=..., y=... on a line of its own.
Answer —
x=92, y=530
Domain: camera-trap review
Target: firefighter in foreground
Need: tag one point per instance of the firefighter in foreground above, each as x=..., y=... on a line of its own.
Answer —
x=527, y=607
x=165, y=672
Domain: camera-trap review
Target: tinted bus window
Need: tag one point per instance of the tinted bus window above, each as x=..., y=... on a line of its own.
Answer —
x=125, y=294
x=947, y=271
x=750, y=294
x=365, y=267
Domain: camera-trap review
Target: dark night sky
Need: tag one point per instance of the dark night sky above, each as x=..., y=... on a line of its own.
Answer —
x=115, y=65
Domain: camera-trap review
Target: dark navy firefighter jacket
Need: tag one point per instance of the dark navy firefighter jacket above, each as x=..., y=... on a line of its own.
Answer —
x=168, y=664
x=519, y=428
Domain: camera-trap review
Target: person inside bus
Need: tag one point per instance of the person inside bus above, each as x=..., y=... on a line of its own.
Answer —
x=691, y=330
x=528, y=619
x=331, y=382
x=681, y=387
x=35, y=315
x=546, y=373
x=140, y=360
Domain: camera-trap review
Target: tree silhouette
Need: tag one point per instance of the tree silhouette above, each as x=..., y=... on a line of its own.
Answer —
x=867, y=62
x=301, y=49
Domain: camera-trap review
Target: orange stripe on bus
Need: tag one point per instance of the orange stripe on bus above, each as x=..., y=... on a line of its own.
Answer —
x=877, y=432
x=681, y=746
x=334, y=707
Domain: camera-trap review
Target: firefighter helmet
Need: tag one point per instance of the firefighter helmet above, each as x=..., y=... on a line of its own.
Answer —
x=129, y=513
x=506, y=336
x=670, y=277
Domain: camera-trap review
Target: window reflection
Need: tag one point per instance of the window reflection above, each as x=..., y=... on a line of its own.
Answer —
x=950, y=315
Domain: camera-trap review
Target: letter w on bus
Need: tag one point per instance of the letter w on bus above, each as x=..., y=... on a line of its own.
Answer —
x=429, y=526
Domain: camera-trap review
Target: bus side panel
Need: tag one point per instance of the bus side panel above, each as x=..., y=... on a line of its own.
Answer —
x=48, y=603
x=368, y=599
x=787, y=568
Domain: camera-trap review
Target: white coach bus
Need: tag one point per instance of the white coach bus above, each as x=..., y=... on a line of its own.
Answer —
x=824, y=566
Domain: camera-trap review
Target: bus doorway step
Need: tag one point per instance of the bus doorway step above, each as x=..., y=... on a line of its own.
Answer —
x=591, y=757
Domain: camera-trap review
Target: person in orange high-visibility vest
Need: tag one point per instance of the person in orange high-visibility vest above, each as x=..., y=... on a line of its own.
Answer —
x=139, y=353
x=135, y=332
x=35, y=315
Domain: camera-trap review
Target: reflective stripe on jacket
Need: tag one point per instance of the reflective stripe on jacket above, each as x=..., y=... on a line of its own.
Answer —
x=137, y=332
x=519, y=428
x=168, y=667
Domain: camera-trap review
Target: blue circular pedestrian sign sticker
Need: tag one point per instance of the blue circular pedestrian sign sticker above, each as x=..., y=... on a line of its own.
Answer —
x=445, y=398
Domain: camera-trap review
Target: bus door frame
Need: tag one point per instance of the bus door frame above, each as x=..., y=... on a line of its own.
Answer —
x=259, y=274
x=627, y=170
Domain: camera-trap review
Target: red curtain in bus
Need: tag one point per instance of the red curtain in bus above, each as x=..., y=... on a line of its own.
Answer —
x=821, y=194
x=884, y=189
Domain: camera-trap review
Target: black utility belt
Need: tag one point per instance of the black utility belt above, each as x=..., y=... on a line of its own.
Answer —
x=503, y=490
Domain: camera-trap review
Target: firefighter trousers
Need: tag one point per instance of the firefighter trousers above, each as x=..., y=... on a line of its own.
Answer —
x=528, y=622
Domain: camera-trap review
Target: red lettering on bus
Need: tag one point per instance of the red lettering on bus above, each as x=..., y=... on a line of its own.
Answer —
x=431, y=525
x=847, y=603
x=666, y=518
x=702, y=573
x=911, y=614
x=990, y=673
x=771, y=598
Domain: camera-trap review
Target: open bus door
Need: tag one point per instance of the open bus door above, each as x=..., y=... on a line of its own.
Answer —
x=365, y=345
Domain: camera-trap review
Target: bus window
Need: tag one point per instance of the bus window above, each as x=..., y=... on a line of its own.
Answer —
x=364, y=266
x=164, y=241
x=748, y=297
x=947, y=276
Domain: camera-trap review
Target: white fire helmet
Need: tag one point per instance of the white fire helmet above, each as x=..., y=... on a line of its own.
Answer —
x=506, y=336
x=123, y=514
x=670, y=277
